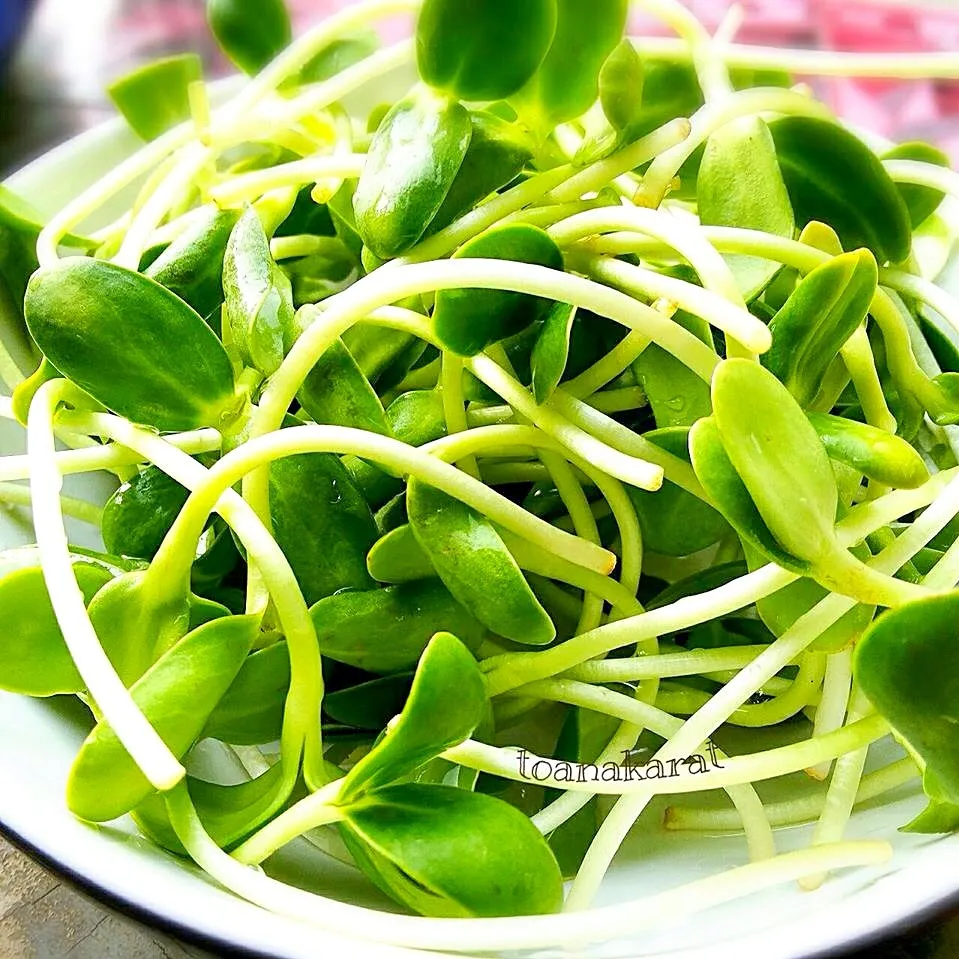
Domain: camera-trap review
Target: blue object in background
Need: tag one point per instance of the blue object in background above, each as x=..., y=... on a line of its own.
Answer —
x=13, y=18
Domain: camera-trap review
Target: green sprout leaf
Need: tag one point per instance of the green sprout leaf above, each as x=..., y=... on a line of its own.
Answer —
x=34, y=659
x=413, y=839
x=259, y=298
x=881, y=456
x=412, y=163
x=621, y=87
x=140, y=513
x=921, y=201
x=739, y=184
x=487, y=52
x=477, y=568
x=905, y=664
x=177, y=696
x=370, y=705
x=833, y=176
x=171, y=372
x=192, y=265
x=677, y=396
x=567, y=83
x=446, y=703
x=398, y=558
x=551, y=352
x=386, y=630
x=337, y=392
x=155, y=97
x=824, y=310
x=251, y=711
x=726, y=489
x=322, y=524
x=673, y=521
x=250, y=35
x=498, y=152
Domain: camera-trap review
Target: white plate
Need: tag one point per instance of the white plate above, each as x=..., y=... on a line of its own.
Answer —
x=38, y=741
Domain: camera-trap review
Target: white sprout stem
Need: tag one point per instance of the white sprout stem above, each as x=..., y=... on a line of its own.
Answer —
x=409, y=460
x=711, y=70
x=735, y=771
x=527, y=932
x=942, y=301
x=693, y=662
x=712, y=117
x=595, y=176
x=823, y=63
x=225, y=119
x=564, y=184
x=759, y=834
x=841, y=795
x=791, y=812
x=577, y=506
x=619, y=437
x=618, y=400
x=629, y=469
x=454, y=404
x=857, y=356
x=387, y=286
x=113, y=699
x=917, y=173
x=704, y=722
x=733, y=320
x=95, y=458
x=902, y=361
x=684, y=236
x=837, y=684
x=516, y=669
x=12, y=494
x=283, y=114
x=300, y=718
x=158, y=205
x=603, y=371
x=250, y=186
x=299, y=53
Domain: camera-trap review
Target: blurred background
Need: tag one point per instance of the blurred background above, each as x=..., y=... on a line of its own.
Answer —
x=56, y=57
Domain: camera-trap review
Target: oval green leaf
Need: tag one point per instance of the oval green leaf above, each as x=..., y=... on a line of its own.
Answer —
x=192, y=265
x=447, y=702
x=778, y=456
x=567, y=83
x=156, y=97
x=386, y=630
x=906, y=664
x=881, y=456
x=477, y=568
x=487, y=54
x=131, y=344
x=322, y=523
x=673, y=521
x=415, y=839
x=177, y=696
x=34, y=659
x=412, y=162
x=251, y=711
x=251, y=35
x=824, y=310
x=739, y=185
x=833, y=176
